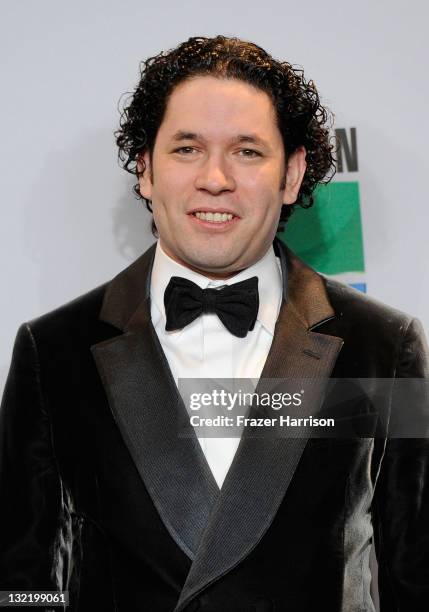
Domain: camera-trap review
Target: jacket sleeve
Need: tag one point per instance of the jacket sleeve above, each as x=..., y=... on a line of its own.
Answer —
x=33, y=522
x=401, y=500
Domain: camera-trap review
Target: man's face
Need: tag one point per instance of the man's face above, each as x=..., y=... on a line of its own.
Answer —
x=219, y=154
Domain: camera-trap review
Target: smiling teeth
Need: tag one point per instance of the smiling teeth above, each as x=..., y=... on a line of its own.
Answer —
x=215, y=217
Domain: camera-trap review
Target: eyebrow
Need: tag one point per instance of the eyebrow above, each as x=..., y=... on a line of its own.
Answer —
x=241, y=138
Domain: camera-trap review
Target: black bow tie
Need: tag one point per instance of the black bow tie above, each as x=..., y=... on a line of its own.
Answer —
x=236, y=305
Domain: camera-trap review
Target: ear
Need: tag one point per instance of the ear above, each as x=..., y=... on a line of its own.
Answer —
x=145, y=178
x=295, y=170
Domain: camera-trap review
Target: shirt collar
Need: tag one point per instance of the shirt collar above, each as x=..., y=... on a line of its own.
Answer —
x=267, y=269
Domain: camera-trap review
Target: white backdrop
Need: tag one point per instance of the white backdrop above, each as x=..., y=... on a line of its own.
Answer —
x=69, y=220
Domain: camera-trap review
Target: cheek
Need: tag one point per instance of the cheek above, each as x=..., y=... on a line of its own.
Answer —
x=264, y=199
x=174, y=187
x=265, y=183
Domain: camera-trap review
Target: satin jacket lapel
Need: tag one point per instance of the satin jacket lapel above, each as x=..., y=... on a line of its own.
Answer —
x=263, y=468
x=146, y=406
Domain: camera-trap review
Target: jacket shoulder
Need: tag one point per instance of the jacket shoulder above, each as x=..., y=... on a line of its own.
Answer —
x=359, y=311
x=362, y=308
x=74, y=319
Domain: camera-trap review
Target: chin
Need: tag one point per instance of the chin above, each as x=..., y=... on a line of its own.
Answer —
x=209, y=263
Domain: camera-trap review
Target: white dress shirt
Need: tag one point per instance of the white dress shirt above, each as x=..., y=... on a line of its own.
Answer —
x=206, y=349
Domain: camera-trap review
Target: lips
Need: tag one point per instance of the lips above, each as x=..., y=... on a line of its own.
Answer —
x=208, y=209
x=216, y=217
x=215, y=221
x=219, y=217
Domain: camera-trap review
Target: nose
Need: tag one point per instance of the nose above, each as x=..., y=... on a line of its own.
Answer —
x=214, y=176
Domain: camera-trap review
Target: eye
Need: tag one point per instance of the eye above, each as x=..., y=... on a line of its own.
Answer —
x=249, y=153
x=184, y=150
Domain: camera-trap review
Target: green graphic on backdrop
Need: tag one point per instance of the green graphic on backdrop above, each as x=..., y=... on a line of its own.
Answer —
x=328, y=236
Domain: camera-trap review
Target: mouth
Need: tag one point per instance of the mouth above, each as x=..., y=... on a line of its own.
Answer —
x=214, y=218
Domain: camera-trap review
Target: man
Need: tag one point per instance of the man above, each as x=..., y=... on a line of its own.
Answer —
x=100, y=495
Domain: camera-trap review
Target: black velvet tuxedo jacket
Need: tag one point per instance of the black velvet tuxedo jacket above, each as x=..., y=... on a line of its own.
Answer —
x=100, y=497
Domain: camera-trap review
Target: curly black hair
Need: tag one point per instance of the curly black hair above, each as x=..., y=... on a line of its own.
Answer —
x=301, y=118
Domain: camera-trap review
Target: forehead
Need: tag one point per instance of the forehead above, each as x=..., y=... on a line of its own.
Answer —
x=218, y=107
